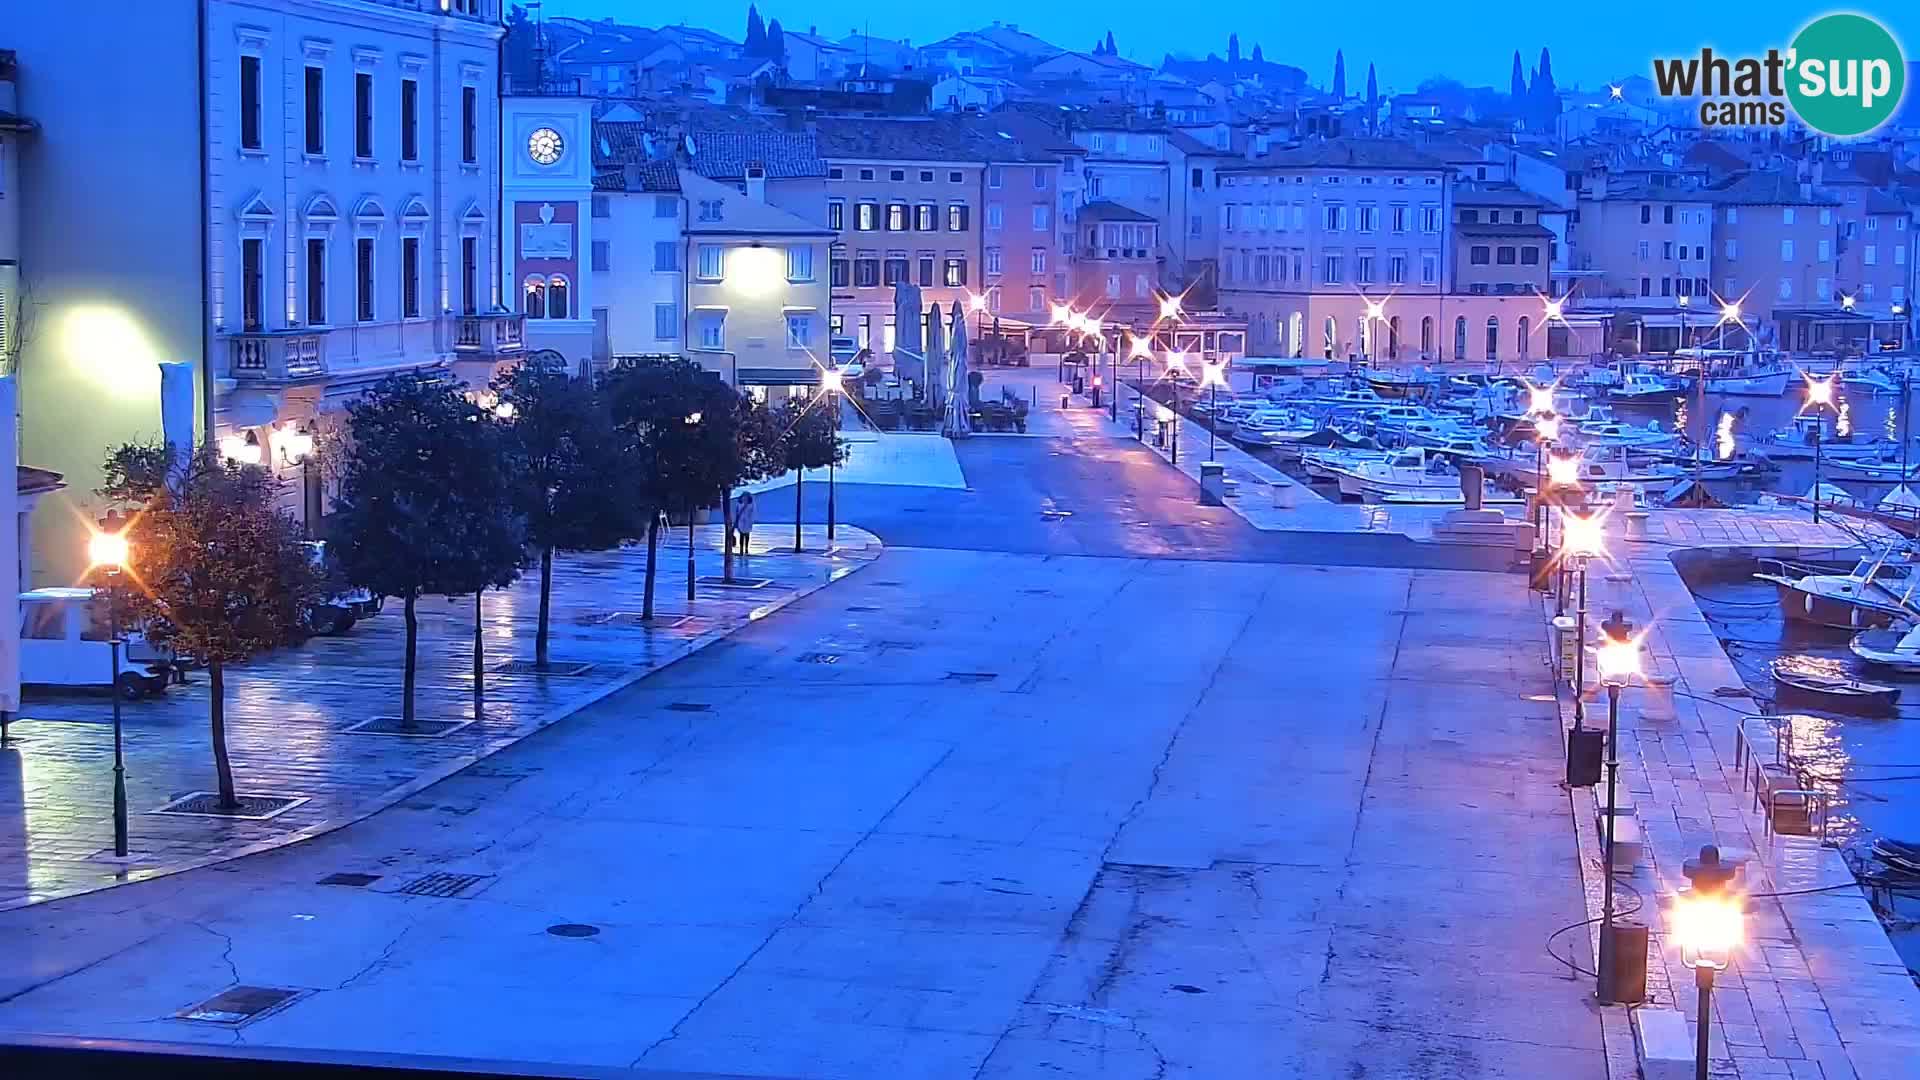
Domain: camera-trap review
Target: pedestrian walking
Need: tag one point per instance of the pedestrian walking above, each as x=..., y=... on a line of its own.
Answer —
x=743, y=522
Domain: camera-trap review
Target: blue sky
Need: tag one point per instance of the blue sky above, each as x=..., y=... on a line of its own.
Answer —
x=1408, y=41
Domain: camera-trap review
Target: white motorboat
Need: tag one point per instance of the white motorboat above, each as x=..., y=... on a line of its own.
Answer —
x=1872, y=381
x=1600, y=463
x=1872, y=470
x=1891, y=648
x=1756, y=384
x=1646, y=436
x=1327, y=464
x=1645, y=386
x=1412, y=471
x=1439, y=434
x=1795, y=442
x=1877, y=591
x=1273, y=428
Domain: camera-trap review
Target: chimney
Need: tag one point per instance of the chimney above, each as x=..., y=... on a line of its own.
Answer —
x=757, y=181
x=630, y=176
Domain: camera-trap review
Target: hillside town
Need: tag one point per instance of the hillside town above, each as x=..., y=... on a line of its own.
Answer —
x=550, y=545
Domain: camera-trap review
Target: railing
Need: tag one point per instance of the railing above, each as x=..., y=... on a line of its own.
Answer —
x=277, y=356
x=495, y=332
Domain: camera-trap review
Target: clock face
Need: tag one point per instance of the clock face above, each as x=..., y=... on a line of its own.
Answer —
x=544, y=145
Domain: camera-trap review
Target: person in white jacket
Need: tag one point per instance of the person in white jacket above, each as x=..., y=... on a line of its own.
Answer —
x=742, y=522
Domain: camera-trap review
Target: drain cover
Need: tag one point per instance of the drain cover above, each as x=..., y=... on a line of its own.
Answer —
x=689, y=706
x=441, y=883
x=356, y=881
x=819, y=658
x=558, y=670
x=240, y=1004
x=863, y=608
x=972, y=676
x=572, y=929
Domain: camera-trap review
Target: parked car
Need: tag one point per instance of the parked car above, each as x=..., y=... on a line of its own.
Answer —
x=64, y=641
x=340, y=609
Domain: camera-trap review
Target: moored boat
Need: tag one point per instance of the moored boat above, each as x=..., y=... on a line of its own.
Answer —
x=1877, y=591
x=1896, y=649
x=1825, y=682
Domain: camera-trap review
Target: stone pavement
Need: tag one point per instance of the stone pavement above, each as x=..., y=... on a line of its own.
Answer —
x=287, y=712
x=966, y=814
x=1818, y=991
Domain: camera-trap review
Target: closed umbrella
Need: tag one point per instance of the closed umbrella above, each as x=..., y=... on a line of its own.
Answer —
x=936, y=359
x=960, y=401
x=909, y=356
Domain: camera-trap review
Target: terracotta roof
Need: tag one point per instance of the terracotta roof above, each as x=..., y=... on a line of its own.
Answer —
x=928, y=138
x=656, y=176
x=1108, y=210
x=1507, y=229
x=725, y=155
x=1469, y=195
x=1346, y=154
x=1767, y=189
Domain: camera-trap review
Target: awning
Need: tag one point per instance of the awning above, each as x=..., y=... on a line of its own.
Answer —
x=780, y=376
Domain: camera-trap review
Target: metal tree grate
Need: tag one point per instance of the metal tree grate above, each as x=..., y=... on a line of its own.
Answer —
x=352, y=881
x=423, y=727
x=573, y=930
x=238, y=1005
x=558, y=669
x=718, y=582
x=443, y=884
x=253, y=807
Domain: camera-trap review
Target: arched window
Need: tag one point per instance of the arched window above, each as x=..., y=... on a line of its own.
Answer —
x=1493, y=337
x=1297, y=333
x=1393, y=337
x=1460, y=337
x=1525, y=328
x=1331, y=335
x=557, y=297
x=536, y=302
x=1426, y=336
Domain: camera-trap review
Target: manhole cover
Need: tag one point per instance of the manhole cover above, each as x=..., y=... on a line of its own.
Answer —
x=557, y=669
x=352, y=881
x=423, y=727
x=443, y=884
x=572, y=929
x=819, y=658
x=886, y=584
x=637, y=621
x=972, y=676
x=239, y=1005
x=863, y=608
x=1188, y=989
x=689, y=706
x=718, y=582
x=251, y=808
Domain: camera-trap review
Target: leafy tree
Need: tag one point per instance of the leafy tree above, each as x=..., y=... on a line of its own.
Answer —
x=1546, y=97
x=1233, y=48
x=1519, y=91
x=758, y=454
x=658, y=406
x=1340, y=74
x=1258, y=57
x=572, y=469
x=776, y=42
x=521, y=58
x=223, y=573
x=756, y=44
x=426, y=504
x=812, y=442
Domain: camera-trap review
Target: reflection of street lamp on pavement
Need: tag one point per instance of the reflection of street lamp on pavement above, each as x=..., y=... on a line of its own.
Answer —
x=1618, y=658
x=109, y=551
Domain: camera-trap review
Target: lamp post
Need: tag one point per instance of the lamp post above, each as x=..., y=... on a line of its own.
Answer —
x=1139, y=350
x=109, y=551
x=295, y=444
x=1819, y=397
x=831, y=381
x=1707, y=924
x=1562, y=471
x=1699, y=389
x=1548, y=429
x=1176, y=367
x=1618, y=659
x=1211, y=377
x=1581, y=538
x=1729, y=313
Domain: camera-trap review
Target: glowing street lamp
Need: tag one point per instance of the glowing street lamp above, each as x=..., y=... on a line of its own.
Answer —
x=241, y=449
x=1540, y=400
x=1709, y=926
x=1170, y=308
x=1819, y=397
x=109, y=551
x=1846, y=303
x=1563, y=470
x=1059, y=314
x=1581, y=538
x=1618, y=658
x=831, y=382
x=1212, y=376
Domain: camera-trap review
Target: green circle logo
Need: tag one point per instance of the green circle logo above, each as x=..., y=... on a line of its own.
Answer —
x=1846, y=75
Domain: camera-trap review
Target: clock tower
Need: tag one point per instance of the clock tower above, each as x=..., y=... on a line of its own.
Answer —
x=547, y=187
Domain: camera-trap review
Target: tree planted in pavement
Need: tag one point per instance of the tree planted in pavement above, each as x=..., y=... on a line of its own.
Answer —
x=658, y=404
x=221, y=572
x=426, y=504
x=573, y=471
x=759, y=452
x=811, y=441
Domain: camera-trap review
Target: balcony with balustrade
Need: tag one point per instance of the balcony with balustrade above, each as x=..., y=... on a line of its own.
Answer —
x=489, y=335
x=277, y=357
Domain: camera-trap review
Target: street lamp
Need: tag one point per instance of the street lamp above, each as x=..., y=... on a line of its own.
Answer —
x=1729, y=313
x=109, y=551
x=832, y=383
x=1618, y=658
x=1563, y=470
x=1581, y=538
x=1374, y=310
x=1211, y=376
x=1547, y=427
x=295, y=445
x=1176, y=367
x=1819, y=396
x=1139, y=350
x=978, y=302
x=1707, y=924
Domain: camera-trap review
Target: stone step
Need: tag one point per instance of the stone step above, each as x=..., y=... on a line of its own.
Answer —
x=1663, y=1044
x=1629, y=846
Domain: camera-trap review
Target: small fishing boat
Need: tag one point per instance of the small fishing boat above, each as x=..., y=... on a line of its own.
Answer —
x=1877, y=591
x=1901, y=857
x=1871, y=381
x=1896, y=649
x=1412, y=471
x=1400, y=385
x=1825, y=682
x=1646, y=436
x=1795, y=442
x=1873, y=471
x=1645, y=386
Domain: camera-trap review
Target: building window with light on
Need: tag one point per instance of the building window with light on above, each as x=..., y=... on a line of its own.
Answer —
x=956, y=218
x=836, y=214
x=923, y=218
x=713, y=329
x=535, y=305
x=955, y=272
x=712, y=265
x=557, y=297
x=799, y=330
x=896, y=217
x=1113, y=286
x=867, y=217
x=799, y=263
